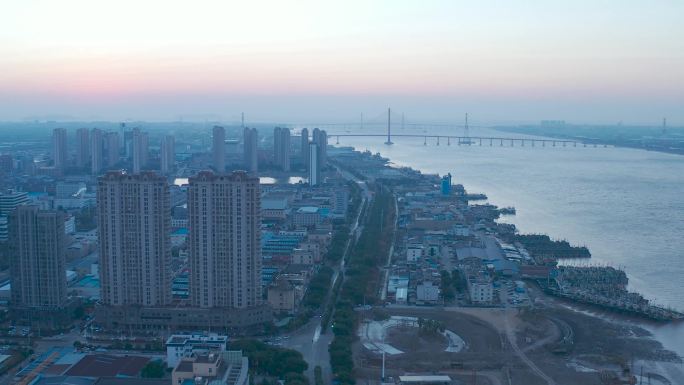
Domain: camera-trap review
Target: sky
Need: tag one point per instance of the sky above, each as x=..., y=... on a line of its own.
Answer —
x=509, y=61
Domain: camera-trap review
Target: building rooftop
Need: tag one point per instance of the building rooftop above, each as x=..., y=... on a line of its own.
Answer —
x=425, y=378
x=64, y=380
x=274, y=204
x=183, y=339
x=103, y=365
x=308, y=210
x=132, y=381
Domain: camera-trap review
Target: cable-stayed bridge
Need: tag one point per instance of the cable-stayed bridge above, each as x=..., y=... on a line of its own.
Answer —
x=386, y=125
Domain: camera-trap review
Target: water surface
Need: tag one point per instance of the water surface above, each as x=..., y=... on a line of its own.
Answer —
x=626, y=205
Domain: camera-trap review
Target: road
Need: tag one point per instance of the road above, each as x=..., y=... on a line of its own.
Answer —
x=386, y=268
x=313, y=345
x=308, y=339
x=510, y=335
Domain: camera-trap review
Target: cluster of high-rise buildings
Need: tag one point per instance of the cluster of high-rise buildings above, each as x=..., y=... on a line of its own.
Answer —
x=99, y=150
x=313, y=151
x=134, y=231
x=134, y=222
x=224, y=251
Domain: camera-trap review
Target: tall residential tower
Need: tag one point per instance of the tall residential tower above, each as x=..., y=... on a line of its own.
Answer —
x=82, y=147
x=167, y=154
x=281, y=148
x=250, y=138
x=140, y=150
x=96, y=157
x=134, y=221
x=59, y=148
x=37, y=259
x=218, y=148
x=305, y=147
x=225, y=247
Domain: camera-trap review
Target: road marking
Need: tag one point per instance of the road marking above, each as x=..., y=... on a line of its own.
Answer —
x=317, y=334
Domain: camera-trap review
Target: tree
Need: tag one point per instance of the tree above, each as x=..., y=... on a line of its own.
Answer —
x=446, y=286
x=296, y=379
x=79, y=312
x=153, y=369
x=318, y=375
x=273, y=361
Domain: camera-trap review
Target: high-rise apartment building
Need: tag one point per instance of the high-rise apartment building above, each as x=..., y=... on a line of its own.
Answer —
x=218, y=149
x=6, y=163
x=144, y=149
x=134, y=221
x=37, y=259
x=96, y=158
x=140, y=150
x=82, y=147
x=167, y=154
x=127, y=143
x=113, y=148
x=224, y=242
x=314, y=165
x=122, y=138
x=9, y=200
x=320, y=137
x=305, y=147
x=59, y=148
x=281, y=148
x=250, y=138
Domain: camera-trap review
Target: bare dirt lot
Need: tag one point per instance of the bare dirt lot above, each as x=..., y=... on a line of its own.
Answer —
x=520, y=347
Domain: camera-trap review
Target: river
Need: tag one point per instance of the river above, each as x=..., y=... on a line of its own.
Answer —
x=626, y=205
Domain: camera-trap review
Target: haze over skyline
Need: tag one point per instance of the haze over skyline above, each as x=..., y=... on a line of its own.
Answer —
x=582, y=61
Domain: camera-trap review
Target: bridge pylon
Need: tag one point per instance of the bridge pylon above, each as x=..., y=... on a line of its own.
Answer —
x=389, y=127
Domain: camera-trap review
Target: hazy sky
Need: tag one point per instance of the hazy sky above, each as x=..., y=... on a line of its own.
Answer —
x=503, y=61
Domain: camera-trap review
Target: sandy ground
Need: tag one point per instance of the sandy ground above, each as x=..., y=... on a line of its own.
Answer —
x=384, y=336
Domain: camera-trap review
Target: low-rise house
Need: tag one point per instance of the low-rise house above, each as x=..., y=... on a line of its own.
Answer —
x=283, y=296
x=276, y=208
x=180, y=346
x=481, y=289
x=303, y=257
x=427, y=292
x=307, y=216
x=227, y=368
x=414, y=253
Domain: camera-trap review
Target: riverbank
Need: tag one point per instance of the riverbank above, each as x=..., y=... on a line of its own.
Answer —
x=643, y=138
x=625, y=205
x=488, y=191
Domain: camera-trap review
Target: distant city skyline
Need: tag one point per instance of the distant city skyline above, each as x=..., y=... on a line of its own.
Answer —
x=518, y=61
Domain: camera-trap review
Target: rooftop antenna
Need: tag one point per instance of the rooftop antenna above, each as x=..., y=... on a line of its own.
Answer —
x=242, y=119
x=664, y=125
